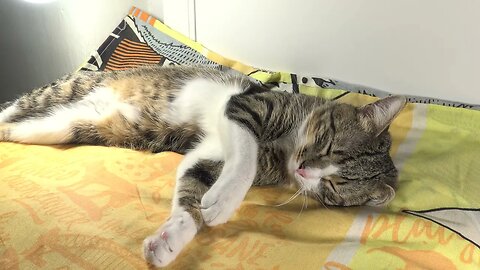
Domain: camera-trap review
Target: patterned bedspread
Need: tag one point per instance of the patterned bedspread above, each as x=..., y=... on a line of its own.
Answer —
x=90, y=207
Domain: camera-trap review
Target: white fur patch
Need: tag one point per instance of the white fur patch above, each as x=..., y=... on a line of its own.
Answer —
x=164, y=246
x=300, y=141
x=6, y=113
x=315, y=173
x=301, y=138
x=56, y=127
x=313, y=176
x=202, y=101
x=308, y=184
x=236, y=178
x=100, y=104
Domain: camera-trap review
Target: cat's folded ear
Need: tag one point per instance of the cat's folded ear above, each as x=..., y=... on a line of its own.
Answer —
x=381, y=196
x=377, y=116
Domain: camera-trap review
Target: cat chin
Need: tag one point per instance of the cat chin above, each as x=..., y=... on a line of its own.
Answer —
x=309, y=184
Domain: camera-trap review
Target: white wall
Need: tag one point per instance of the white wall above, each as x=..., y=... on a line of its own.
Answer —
x=44, y=39
x=180, y=15
x=427, y=48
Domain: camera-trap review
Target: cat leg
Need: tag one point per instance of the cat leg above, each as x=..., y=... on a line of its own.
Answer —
x=58, y=125
x=62, y=92
x=195, y=175
x=54, y=129
x=240, y=153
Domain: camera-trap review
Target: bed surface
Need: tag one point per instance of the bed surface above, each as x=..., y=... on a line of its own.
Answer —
x=90, y=207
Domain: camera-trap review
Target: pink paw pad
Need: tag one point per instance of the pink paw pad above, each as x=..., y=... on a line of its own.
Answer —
x=152, y=246
x=164, y=235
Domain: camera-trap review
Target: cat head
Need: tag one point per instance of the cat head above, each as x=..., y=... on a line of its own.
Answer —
x=342, y=153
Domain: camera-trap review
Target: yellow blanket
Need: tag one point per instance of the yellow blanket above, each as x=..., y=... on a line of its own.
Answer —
x=90, y=207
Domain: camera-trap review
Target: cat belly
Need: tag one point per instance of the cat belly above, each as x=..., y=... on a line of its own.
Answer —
x=202, y=102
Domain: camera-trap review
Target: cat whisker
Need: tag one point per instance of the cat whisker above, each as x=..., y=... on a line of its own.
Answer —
x=293, y=197
x=303, y=204
x=301, y=190
x=321, y=201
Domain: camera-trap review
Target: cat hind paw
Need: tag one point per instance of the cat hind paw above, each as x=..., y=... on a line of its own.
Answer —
x=161, y=248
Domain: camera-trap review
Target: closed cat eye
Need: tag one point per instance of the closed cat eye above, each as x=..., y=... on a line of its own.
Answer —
x=332, y=186
x=302, y=165
x=320, y=156
x=328, y=201
x=338, y=152
x=328, y=181
x=329, y=148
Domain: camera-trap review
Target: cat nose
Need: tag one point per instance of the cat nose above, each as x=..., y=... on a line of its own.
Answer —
x=301, y=172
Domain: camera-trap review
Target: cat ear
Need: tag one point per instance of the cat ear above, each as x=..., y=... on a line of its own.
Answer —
x=377, y=116
x=382, y=196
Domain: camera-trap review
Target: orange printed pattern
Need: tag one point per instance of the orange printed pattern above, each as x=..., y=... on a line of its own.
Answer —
x=129, y=54
x=413, y=243
x=90, y=207
x=142, y=15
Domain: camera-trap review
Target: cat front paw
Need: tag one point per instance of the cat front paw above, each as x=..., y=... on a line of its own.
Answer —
x=218, y=206
x=161, y=248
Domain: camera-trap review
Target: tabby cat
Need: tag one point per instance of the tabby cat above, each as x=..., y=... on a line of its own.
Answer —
x=234, y=132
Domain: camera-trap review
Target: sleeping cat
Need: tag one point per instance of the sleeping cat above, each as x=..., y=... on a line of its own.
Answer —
x=234, y=132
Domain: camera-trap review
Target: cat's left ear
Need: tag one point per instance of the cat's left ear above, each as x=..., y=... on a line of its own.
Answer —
x=381, y=196
x=377, y=116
